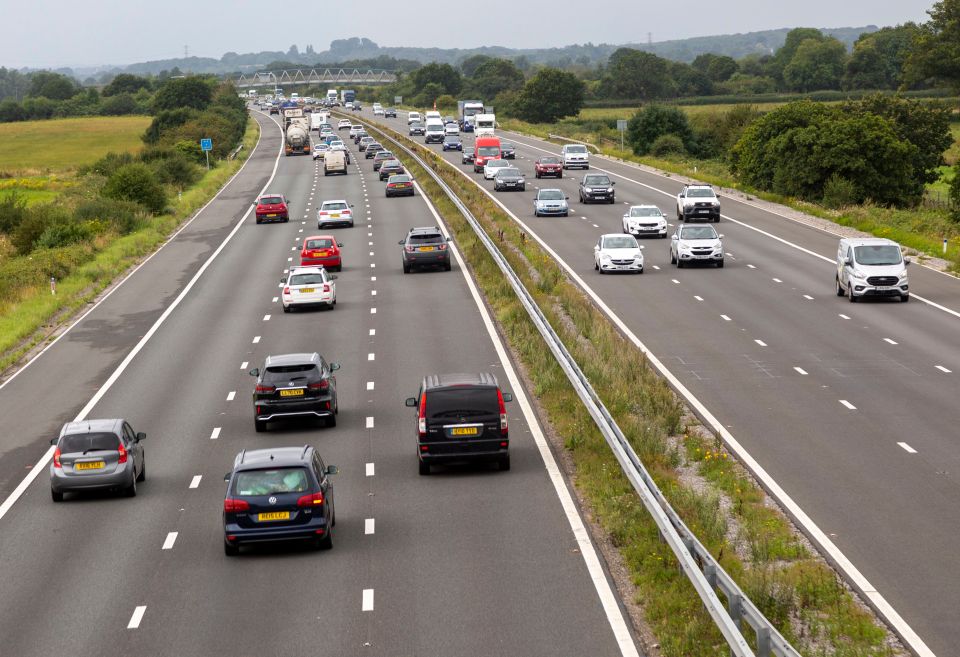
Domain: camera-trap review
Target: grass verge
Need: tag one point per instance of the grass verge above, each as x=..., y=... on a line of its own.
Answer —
x=33, y=318
x=715, y=496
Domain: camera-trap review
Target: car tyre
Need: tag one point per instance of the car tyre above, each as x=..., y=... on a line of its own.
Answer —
x=673, y=258
x=424, y=468
x=287, y=309
x=143, y=470
x=406, y=268
x=851, y=296
x=326, y=542
x=56, y=495
x=720, y=264
x=231, y=550
x=679, y=263
x=332, y=420
x=504, y=463
x=131, y=490
x=840, y=290
x=904, y=298
x=447, y=267
x=259, y=425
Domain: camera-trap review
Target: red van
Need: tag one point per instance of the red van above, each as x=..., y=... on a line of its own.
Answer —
x=485, y=148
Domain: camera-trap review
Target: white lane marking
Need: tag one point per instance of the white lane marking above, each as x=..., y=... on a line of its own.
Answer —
x=373, y=311
x=289, y=259
x=369, y=243
x=725, y=318
x=761, y=343
x=844, y=316
x=373, y=293
x=369, y=234
x=800, y=371
x=293, y=248
x=275, y=299
x=368, y=526
x=370, y=469
x=890, y=341
x=373, y=278
x=195, y=482
x=848, y=405
x=807, y=296
x=256, y=339
x=169, y=541
x=373, y=331
x=367, y=600
x=243, y=365
x=371, y=356
x=369, y=422
x=371, y=253
x=215, y=433
x=675, y=281
x=596, y=226
x=266, y=318
x=370, y=385
x=907, y=448
x=136, y=617
x=373, y=265
x=657, y=267
x=598, y=577
x=777, y=280
x=751, y=266
x=231, y=395
x=943, y=369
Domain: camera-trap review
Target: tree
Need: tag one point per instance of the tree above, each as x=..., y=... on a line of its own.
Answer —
x=136, y=182
x=785, y=53
x=11, y=110
x=936, y=52
x=444, y=75
x=817, y=64
x=719, y=68
x=654, y=121
x=548, y=96
x=52, y=85
x=636, y=74
x=118, y=105
x=878, y=58
x=955, y=193
x=178, y=93
x=470, y=65
x=495, y=76
x=125, y=83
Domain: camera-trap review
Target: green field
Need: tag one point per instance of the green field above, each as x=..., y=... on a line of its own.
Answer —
x=62, y=145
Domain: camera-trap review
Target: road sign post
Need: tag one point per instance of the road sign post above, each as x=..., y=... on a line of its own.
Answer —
x=206, y=145
x=398, y=100
x=622, y=127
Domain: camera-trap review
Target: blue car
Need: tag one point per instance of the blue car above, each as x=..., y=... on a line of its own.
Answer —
x=452, y=143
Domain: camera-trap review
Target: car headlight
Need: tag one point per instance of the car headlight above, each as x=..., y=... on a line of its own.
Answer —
x=605, y=257
x=610, y=189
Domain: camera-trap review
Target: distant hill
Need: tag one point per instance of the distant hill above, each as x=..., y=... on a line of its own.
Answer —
x=358, y=48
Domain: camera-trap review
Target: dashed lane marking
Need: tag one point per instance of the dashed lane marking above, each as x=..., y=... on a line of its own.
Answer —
x=195, y=482
x=907, y=448
x=215, y=433
x=169, y=541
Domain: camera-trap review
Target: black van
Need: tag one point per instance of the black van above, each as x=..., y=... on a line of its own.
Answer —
x=461, y=417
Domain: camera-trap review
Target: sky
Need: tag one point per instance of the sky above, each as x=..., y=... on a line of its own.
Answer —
x=86, y=33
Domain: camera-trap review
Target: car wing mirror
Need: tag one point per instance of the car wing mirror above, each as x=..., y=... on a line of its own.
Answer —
x=255, y=371
x=401, y=242
x=340, y=244
x=848, y=262
x=411, y=402
x=141, y=436
x=54, y=441
x=566, y=198
x=613, y=183
x=332, y=277
x=675, y=237
x=283, y=280
x=449, y=239
x=332, y=470
x=721, y=236
x=226, y=477
x=906, y=261
x=334, y=367
x=507, y=396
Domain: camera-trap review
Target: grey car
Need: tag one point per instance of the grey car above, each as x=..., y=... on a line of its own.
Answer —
x=509, y=178
x=97, y=455
x=551, y=202
x=425, y=247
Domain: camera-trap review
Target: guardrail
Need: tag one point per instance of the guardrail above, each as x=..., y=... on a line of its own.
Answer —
x=703, y=571
x=596, y=149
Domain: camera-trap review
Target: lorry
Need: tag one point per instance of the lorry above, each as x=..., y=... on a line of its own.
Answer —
x=316, y=118
x=484, y=124
x=466, y=110
x=331, y=96
x=296, y=137
x=347, y=96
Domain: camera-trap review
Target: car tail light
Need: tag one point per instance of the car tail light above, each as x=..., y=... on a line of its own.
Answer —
x=422, y=417
x=322, y=384
x=313, y=499
x=503, y=413
x=409, y=249
x=231, y=505
x=122, y=451
x=326, y=288
x=286, y=290
x=56, y=458
x=262, y=388
x=442, y=247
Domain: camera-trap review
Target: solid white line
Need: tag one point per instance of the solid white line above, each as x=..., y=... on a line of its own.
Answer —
x=943, y=369
x=368, y=526
x=243, y=365
x=370, y=356
x=231, y=395
x=215, y=433
x=195, y=482
x=726, y=319
x=370, y=469
x=890, y=341
x=369, y=385
x=907, y=448
x=256, y=339
x=848, y=404
x=137, y=617
x=801, y=371
x=169, y=541
x=367, y=600
x=369, y=422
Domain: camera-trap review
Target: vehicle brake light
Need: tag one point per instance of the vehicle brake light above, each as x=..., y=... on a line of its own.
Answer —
x=262, y=388
x=442, y=247
x=231, y=505
x=56, y=458
x=322, y=384
x=326, y=288
x=313, y=499
x=286, y=290
x=503, y=413
x=122, y=451
x=422, y=417
x=409, y=249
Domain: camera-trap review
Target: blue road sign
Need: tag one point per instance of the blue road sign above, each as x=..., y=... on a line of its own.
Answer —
x=206, y=144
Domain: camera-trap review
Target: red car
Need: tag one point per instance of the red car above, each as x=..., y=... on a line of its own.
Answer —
x=321, y=251
x=272, y=207
x=548, y=165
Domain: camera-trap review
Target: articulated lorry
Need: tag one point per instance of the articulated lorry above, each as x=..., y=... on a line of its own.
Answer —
x=331, y=96
x=466, y=110
x=296, y=132
x=347, y=96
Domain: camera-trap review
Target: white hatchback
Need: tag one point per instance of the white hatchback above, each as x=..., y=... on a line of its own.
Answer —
x=491, y=167
x=344, y=123
x=617, y=252
x=308, y=286
x=354, y=129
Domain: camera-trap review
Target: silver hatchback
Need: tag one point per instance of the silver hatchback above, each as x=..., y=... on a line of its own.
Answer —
x=97, y=455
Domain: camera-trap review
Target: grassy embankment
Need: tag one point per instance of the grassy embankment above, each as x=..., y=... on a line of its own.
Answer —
x=27, y=315
x=728, y=512
x=921, y=229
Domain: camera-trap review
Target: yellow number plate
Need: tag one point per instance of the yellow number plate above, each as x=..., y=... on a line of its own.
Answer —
x=296, y=392
x=274, y=515
x=464, y=431
x=306, y=290
x=425, y=248
x=89, y=465
x=335, y=215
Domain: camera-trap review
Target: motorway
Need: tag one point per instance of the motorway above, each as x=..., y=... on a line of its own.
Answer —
x=467, y=561
x=852, y=409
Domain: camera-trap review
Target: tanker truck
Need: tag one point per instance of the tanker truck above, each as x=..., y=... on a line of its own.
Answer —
x=297, y=140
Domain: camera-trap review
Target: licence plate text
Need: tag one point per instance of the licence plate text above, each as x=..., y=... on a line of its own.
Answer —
x=89, y=465
x=274, y=515
x=464, y=431
x=296, y=392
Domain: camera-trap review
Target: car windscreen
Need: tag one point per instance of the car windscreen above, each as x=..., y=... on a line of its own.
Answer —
x=451, y=402
x=81, y=443
x=320, y=243
x=399, y=179
x=549, y=160
x=452, y=140
x=271, y=200
x=333, y=207
x=698, y=233
x=425, y=238
x=550, y=195
x=279, y=374
x=391, y=164
x=497, y=164
x=645, y=212
x=307, y=279
x=878, y=254
x=576, y=149
x=700, y=193
x=383, y=155
x=507, y=146
x=271, y=482
x=508, y=173
x=488, y=151
x=619, y=242
x=596, y=180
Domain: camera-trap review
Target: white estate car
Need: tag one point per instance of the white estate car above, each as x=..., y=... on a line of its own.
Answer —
x=308, y=286
x=696, y=243
x=343, y=123
x=617, y=252
x=641, y=220
x=871, y=267
x=490, y=168
x=335, y=213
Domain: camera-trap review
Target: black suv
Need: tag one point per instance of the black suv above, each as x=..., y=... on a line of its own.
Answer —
x=596, y=187
x=423, y=247
x=278, y=494
x=461, y=417
x=295, y=385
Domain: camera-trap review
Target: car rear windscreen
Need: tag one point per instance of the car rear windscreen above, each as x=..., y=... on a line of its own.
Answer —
x=307, y=279
x=423, y=238
x=284, y=373
x=271, y=200
x=451, y=402
x=88, y=442
x=319, y=244
x=271, y=482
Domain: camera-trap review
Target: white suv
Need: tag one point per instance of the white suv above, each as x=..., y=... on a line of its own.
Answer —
x=575, y=155
x=645, y=220
x=871, y=267
x=698, y=202
x=692, y=243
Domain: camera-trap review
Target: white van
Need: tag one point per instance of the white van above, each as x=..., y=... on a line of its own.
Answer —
x=433, y=114
x=334, y=162
x=871, y=267
x=434, y=131
x=484, y=124
x=575, y=155
x=413, y=117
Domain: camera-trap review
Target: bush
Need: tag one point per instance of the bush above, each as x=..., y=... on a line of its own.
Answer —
x=190, y=150
x=136, y=182
x=64, y=234
x=123, y=216
x=656, y=120
x=119, y=105
x=165, y=121
x=718, y=132
x=108, y=164
x=955, y=193
x=838, y=192
x=38, y=219
x=13, y=210
x=176, y=170
x=665, y=145
x=11, y=110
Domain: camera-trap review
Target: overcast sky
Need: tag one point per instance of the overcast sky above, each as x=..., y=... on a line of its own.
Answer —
x=79, y=33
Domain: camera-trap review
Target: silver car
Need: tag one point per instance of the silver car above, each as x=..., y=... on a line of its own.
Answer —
x=551, y=202
x=97, y=455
